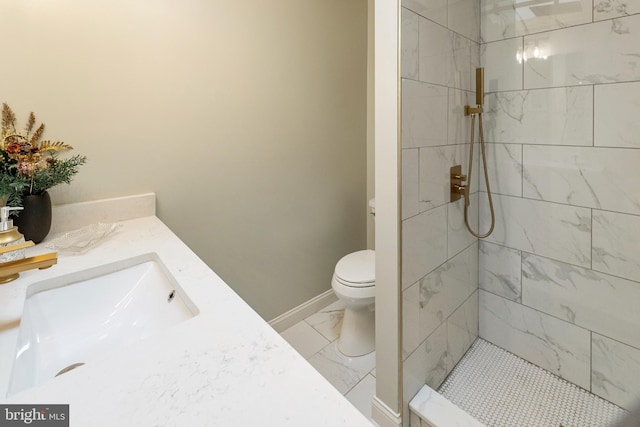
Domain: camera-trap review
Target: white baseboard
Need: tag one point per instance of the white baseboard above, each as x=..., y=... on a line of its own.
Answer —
x=304, y=310
x=383, y=415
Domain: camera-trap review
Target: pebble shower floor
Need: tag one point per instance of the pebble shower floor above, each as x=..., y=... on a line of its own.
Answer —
x=503, y=390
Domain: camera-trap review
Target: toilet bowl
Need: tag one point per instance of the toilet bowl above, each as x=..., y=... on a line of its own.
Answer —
x=354, y=284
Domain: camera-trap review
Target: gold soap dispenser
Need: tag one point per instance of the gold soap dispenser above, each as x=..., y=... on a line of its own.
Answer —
x=9, y=235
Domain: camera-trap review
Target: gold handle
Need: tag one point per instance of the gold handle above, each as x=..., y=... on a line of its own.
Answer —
x=16, y=247
x=460, y=189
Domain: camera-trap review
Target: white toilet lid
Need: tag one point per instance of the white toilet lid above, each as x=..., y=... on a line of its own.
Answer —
x=357, y=268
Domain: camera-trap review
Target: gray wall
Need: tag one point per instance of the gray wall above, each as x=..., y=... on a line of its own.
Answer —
x=439, y=257
x=248, y=119
x=560, y=277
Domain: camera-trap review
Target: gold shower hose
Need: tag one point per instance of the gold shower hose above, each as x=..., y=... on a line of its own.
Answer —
x=486, y=178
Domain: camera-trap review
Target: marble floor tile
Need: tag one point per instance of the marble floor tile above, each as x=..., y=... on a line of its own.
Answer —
x=361, y=395
x=341, y=371
x=328, y=321
x=306, y=340
x=354, y=377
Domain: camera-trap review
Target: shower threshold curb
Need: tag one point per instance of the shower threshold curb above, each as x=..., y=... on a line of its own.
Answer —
x=437, y=411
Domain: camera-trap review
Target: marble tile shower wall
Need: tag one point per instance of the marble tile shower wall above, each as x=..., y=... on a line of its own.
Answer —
x=440, y=48
x=560, y=277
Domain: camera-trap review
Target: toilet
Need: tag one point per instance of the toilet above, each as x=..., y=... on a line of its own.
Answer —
x=355, y=285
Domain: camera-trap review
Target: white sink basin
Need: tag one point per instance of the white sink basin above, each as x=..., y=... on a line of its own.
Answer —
x=70, y=320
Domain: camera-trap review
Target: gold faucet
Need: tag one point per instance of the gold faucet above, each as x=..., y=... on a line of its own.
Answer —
x=10, y=270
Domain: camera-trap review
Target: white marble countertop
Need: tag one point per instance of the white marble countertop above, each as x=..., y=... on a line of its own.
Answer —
x=223, y=367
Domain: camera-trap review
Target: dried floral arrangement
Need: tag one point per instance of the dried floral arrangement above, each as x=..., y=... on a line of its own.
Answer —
x=29, y=164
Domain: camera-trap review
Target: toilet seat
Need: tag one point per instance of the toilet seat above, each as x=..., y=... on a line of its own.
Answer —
x=357, y=269
x=354, y=285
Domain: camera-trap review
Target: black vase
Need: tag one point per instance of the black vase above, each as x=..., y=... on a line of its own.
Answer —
x=35, y=220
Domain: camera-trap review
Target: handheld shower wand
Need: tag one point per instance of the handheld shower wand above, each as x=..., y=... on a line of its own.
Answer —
x=480, y=86
x=469, y=110
x=457, y=187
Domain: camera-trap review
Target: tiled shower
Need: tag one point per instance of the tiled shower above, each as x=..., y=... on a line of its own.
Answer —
x=558, y=282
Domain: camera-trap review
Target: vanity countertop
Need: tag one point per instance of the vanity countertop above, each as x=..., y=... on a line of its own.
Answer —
x=224, y=367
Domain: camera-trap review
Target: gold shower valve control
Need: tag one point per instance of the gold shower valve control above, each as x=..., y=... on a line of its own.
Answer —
x=458, y=189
